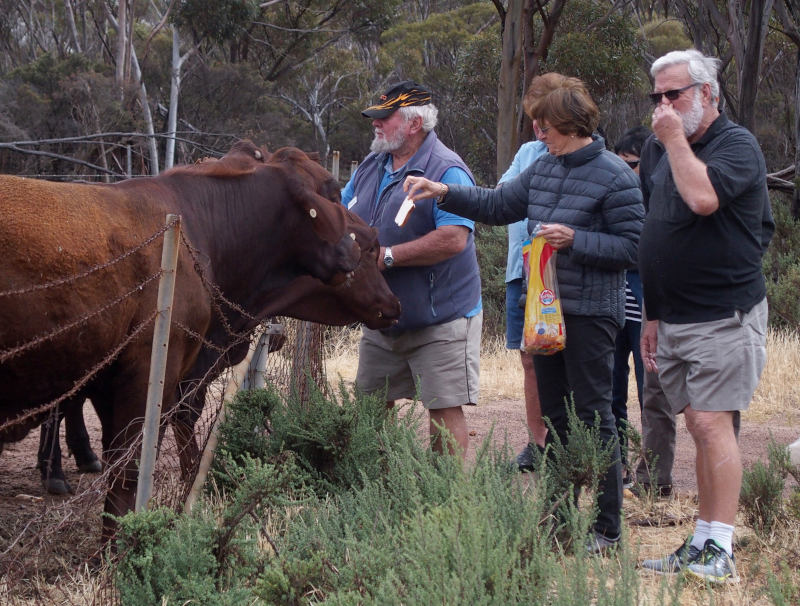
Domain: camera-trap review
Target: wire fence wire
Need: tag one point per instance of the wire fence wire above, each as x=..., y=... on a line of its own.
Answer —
x=45, y=540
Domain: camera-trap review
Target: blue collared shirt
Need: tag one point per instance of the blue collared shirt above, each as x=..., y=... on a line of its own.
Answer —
x=518, y=232
x=452, y=176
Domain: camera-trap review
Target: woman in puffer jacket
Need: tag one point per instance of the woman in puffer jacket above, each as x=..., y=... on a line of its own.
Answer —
x=590, y=207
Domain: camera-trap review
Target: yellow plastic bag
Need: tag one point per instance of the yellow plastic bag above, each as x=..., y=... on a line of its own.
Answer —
x=543, y=331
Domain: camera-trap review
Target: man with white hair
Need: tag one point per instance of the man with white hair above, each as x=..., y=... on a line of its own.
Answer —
x=429, y=261
x=707, y=226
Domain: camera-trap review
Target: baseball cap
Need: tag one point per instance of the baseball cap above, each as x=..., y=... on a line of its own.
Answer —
x=402, y=94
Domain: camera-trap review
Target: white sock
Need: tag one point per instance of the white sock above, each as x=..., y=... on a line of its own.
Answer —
x=723, y=534
x=701, y=532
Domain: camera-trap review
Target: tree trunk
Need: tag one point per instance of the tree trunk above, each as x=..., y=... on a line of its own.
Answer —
x=122, y=36
x=750, y=68
x=146, y=114
x=536, y=52
x=508, y=86
x=72, y=29
x=174, y=95
x=796, y=196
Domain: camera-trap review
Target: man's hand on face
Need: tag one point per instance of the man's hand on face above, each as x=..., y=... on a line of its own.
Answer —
x=667, y=123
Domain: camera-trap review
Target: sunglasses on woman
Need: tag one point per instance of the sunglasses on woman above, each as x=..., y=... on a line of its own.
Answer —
x=672, y=95
x=632, y=163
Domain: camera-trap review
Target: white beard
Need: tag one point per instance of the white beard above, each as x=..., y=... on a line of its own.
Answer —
x=692, y=118
x=383, y=144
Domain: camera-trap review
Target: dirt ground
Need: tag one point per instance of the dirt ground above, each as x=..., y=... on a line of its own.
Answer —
x=21, y=491
x=508, y=419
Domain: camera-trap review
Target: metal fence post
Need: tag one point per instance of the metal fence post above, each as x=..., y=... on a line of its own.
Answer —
x=158, y=363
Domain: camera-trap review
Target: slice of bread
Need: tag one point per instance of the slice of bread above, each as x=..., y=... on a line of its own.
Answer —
x=405, y=212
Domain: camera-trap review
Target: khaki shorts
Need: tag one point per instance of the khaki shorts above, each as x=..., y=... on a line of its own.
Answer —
x=713, y=366
x=439, y=364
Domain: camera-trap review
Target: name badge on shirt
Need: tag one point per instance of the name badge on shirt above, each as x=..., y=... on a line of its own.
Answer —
x=352, y=202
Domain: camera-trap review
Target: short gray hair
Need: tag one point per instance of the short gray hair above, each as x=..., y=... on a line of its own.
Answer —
x=702, y=69
x=428, y=113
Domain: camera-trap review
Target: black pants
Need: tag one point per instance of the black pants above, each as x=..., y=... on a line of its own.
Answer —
x=583, y=371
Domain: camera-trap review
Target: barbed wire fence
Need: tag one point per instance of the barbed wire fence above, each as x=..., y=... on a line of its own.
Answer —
x=50, y=539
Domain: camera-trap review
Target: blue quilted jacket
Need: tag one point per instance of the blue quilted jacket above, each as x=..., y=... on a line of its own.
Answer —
x=590, y=190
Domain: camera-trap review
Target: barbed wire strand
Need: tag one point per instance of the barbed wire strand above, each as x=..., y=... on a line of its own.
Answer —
x=91, y=270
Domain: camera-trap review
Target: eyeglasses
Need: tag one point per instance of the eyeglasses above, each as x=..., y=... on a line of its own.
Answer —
x=544, y=129
x=632, y=163
x=671, y=94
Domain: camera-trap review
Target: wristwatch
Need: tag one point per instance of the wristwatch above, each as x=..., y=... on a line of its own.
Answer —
x=388, y=258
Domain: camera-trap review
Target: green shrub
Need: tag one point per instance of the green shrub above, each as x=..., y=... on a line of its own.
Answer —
x=781, y=589
x=166, y=556
x=205, y=557
x=762, y=489
x=781, y=265
x=399, y=524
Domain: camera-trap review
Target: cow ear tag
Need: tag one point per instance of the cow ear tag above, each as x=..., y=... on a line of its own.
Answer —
x=313, y=213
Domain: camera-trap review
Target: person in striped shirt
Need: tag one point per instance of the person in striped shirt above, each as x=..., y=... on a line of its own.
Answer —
x=628, y=148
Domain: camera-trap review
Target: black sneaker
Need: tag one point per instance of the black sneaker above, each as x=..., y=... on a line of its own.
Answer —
x=674, y=562
x=714, y=564
x=525, y=458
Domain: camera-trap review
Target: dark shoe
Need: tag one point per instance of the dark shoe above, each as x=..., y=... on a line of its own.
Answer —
x=599, y=544
x=714, y=565
x=644, y=491
x=674, y=562
x=526, y=457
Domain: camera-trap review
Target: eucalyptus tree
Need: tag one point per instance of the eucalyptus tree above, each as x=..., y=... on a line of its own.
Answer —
x=789, y=18
x=591, y=39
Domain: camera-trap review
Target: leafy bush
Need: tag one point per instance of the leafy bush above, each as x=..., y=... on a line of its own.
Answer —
x=164, y=555
x=781, y=265
x=207, y=557
x=762, y=489
x=398, y=524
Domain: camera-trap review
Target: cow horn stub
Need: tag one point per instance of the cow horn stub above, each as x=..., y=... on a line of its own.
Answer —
x=313, y=213
x=257, y=154
x=352, y=236
x=380, y=314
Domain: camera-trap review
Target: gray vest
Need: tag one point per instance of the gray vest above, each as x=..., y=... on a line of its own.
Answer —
x=429, y=294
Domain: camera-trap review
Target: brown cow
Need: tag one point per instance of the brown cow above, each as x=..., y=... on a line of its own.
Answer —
x=262, y=233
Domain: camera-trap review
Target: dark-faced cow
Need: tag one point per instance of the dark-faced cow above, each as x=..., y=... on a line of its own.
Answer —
x=261, y=239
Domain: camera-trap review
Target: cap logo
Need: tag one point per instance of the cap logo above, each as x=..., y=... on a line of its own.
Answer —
x=403, y=94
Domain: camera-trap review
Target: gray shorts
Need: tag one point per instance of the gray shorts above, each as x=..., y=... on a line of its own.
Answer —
x=716, y=365
x=439, y=364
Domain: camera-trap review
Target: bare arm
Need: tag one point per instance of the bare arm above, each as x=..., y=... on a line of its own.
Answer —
x=435, y=246
x=689, y=173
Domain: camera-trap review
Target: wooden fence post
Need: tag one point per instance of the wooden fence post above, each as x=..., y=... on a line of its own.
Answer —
x=158, y=363
x=254, y=378
x=335, y=165
x=233, y=385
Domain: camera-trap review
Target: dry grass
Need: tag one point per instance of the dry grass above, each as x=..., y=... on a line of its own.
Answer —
x=778, y=392
x=653, y=528
x=656, y=528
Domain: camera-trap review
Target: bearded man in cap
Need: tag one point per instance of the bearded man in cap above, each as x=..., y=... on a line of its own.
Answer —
x=428, y=259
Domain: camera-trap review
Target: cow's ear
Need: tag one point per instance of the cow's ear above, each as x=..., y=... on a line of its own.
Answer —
x=328, y=219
